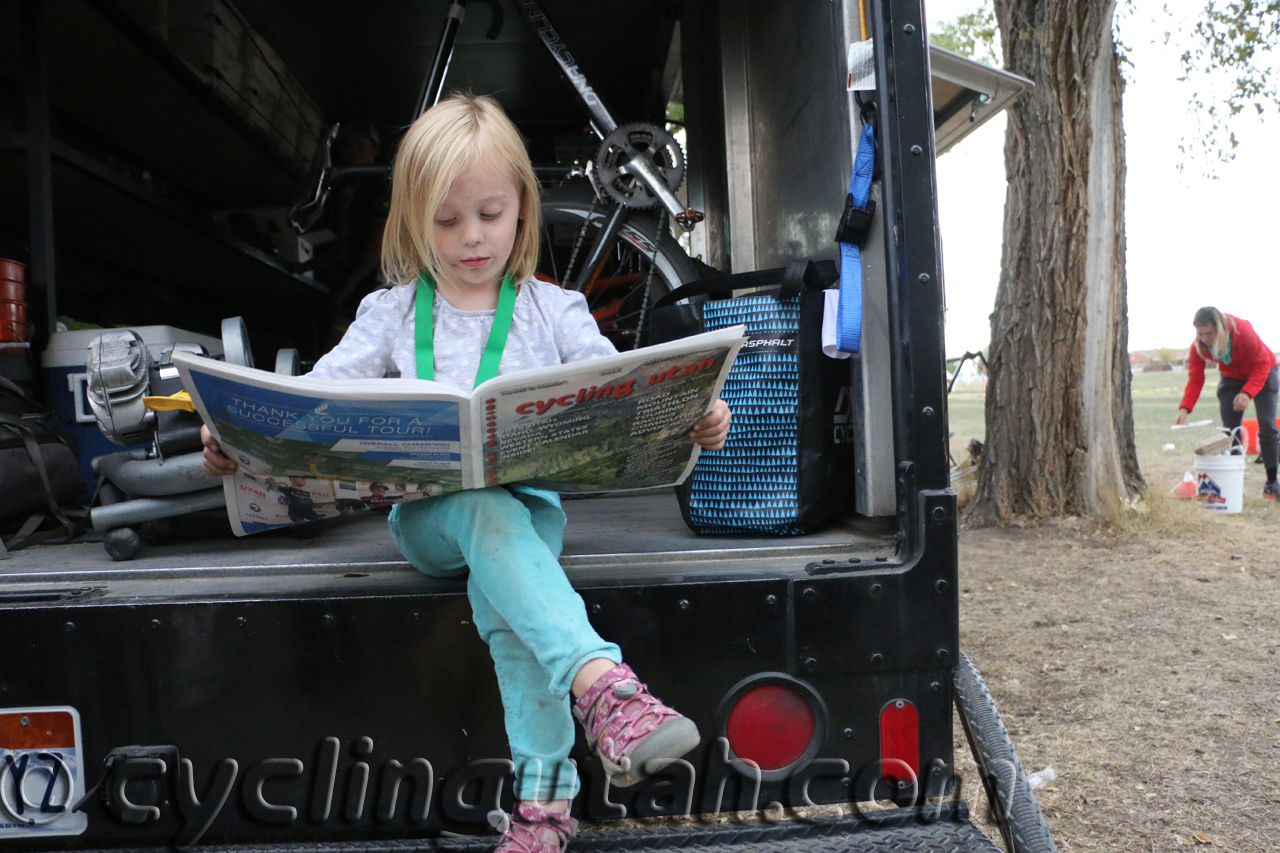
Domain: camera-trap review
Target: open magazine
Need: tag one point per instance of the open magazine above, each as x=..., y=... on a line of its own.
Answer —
x=309, y=449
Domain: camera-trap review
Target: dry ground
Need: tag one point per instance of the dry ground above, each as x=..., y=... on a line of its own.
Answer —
x=1138, y=658
x=1142, y=666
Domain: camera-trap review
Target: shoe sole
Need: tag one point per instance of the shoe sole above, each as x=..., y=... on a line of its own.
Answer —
x=667, y=742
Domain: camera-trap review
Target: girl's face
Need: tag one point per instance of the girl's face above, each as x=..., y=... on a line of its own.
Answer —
x=475, y=228
x=1207, y=335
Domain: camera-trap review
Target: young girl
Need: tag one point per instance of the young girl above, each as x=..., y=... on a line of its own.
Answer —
x=461, y=245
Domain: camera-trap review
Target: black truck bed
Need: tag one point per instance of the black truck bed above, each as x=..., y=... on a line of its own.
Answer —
x=625, y=536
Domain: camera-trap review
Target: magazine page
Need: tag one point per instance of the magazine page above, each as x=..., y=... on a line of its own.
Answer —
x=606, y=424
x=309, y=449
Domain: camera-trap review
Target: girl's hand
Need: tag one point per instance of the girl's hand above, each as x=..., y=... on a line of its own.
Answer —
x=1182, y=417
x=217, y=463
x=1241, y=402
x=709, y=432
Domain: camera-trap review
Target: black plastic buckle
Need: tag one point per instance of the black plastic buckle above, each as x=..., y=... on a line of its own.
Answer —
x=855, y=222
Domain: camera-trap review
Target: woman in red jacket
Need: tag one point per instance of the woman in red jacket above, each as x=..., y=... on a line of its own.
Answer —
x=1247, y=371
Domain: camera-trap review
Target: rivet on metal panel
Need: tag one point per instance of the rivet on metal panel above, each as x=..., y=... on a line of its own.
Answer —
x=940, y=585
x=25, y=721
x=241, y=621
x=69, y=627
x=848, y=733
x=416, y=616
x=939, y=512
x=771, y=599
x=899, y=704
x=909, y=30
x=877, y=659
x=155, y=624
x=927, y=411
x=916, y=150
x=874, y=590
x=809, y=593
x=329, y=619
x=846, y=781
x=683, y=604
x=935, y=685
x=943, y=655
x=923, y=278
x=595, y=608
x=810, y=664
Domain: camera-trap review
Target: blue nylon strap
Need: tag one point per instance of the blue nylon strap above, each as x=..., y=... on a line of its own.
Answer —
x=849, y=314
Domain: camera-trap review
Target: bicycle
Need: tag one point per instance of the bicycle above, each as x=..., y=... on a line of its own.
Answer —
x=599, y=239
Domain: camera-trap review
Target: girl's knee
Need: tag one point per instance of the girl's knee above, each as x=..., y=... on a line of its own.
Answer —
x=494, y=499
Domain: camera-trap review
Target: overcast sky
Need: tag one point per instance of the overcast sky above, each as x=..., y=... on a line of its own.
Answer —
x=1192, y=241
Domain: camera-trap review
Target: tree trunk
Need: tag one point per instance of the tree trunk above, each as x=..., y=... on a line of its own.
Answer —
x=1059, y=409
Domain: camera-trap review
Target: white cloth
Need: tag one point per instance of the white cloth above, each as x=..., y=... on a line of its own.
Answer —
x=830, y=306
x=551, y=326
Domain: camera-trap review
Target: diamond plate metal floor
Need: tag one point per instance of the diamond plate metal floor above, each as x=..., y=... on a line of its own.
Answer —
x=896, y=831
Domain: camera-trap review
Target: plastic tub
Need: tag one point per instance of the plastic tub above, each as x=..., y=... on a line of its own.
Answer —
x=1220, y=482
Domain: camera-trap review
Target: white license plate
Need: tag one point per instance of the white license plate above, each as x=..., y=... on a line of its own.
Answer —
x=41, y=772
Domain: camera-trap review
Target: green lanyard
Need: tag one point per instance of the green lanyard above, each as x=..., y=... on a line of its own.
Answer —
x=424, y=330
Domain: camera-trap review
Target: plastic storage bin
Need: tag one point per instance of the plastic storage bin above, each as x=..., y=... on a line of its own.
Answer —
x=62, y=368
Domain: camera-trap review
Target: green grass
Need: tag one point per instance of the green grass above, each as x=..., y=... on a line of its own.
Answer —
x=1155, y=405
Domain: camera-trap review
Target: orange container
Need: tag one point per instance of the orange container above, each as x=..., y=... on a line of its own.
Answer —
x=1250, y=426
x=12, y=290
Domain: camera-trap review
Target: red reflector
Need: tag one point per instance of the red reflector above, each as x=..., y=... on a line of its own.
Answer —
x=771, y=725
x=899, y=738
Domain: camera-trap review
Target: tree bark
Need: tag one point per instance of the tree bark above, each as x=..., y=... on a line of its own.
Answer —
x=1059, y=408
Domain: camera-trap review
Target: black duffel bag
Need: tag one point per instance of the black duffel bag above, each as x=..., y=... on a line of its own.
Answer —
x=39, y=474
x=784, y=470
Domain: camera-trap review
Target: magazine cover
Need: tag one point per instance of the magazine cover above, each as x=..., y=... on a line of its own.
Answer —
x=309, y=449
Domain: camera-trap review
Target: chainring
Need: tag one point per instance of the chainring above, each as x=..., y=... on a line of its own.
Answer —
x=631, y=141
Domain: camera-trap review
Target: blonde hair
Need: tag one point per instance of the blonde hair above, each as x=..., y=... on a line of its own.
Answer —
x=1210, y=316
x=444, y=142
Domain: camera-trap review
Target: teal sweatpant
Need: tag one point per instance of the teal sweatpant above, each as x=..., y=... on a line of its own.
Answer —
x=507, y=544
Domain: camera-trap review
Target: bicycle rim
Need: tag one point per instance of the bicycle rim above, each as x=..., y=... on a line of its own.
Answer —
x=617, y=297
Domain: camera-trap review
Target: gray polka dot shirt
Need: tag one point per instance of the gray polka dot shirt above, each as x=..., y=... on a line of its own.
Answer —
x=551, y=326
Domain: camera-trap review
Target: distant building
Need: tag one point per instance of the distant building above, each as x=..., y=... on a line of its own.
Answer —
x=1142, y=359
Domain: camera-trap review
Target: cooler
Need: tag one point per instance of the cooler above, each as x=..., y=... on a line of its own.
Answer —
x=62, y=366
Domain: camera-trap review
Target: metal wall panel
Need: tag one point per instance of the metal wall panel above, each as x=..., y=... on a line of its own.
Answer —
x=800, y=154
x=789, y=131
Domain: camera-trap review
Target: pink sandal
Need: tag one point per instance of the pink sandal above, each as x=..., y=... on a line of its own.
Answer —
x=523, y=830
x=628, y=727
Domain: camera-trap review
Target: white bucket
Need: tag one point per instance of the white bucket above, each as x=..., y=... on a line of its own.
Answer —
x=1220, y=482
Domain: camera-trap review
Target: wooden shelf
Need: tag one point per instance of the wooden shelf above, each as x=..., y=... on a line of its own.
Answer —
x=105, y=215
x=109, y=74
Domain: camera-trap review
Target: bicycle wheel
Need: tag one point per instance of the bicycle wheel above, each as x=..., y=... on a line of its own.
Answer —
x=620, y=296
x=1016, y=811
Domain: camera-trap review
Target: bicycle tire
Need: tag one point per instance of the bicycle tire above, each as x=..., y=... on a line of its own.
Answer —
x=564, y=213
x=1012, y=801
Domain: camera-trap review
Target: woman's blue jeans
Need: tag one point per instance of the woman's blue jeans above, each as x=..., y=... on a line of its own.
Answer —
x=524, y=608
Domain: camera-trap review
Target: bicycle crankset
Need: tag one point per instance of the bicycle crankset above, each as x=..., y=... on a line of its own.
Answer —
x=629, y=143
